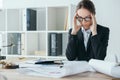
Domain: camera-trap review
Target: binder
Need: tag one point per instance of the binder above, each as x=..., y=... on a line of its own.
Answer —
x=55, y=44
x=31, y=19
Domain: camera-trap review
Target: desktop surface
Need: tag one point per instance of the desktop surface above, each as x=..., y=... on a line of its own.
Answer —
x=12, y=74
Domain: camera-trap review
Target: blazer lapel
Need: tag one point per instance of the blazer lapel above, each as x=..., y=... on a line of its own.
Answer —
x=89, y=42
x=80, y=35
x=81, y=38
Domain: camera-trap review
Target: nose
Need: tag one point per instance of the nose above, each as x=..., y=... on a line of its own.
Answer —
x=83, y=22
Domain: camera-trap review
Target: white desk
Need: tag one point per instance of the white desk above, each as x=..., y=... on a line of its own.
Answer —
x=12, y=74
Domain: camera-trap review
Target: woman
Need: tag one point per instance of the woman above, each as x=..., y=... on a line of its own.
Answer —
x=87, y=39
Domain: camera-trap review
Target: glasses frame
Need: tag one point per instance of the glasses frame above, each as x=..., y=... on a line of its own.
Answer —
x=87, y=18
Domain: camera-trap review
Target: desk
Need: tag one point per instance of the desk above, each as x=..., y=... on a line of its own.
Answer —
x=12, y=74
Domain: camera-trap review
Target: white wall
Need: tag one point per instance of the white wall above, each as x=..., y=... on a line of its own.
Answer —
x=1, y=4
x=108, y=14
x=42, y=41
x=13, y=19
x=33, y=3
x=41, y=19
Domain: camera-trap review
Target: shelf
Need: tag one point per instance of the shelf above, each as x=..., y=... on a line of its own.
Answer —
x=26, y=31
x=35, y=31
x=56, y=58
x=36, y=43
x=57, y=31
x=57, y=43
x=36, y=19
x=15, y=43
x=3, y=43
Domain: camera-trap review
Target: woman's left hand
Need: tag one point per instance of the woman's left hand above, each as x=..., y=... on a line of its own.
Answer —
x=93, y=27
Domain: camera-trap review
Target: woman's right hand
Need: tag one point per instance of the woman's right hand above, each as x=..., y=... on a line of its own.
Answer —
x=76, y=27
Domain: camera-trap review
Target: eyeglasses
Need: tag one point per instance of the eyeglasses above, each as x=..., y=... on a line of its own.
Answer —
x=80, y=19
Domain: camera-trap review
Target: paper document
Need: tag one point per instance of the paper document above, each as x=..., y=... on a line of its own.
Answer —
x=70, y=68
x=102, y=66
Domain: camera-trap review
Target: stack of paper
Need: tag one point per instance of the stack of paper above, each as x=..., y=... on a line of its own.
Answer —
x=56, y=71
x=2, y=77
x=70, y=68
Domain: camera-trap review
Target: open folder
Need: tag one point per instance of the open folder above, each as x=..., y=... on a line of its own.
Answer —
x=71, y=68
x=56, y=71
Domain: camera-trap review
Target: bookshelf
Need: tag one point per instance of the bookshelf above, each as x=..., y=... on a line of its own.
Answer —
x=25, y=31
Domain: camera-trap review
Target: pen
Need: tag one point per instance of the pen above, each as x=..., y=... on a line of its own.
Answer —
x=61, y=66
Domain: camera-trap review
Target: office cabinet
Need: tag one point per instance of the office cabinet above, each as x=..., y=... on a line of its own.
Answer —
x=36, y=32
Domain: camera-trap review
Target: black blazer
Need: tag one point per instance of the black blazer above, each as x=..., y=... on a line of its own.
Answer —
x=96, y=47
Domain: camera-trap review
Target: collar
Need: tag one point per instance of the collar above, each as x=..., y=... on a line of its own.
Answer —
x=86, y=31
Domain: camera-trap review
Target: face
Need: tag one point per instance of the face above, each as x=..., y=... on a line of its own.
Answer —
x=84, y=17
